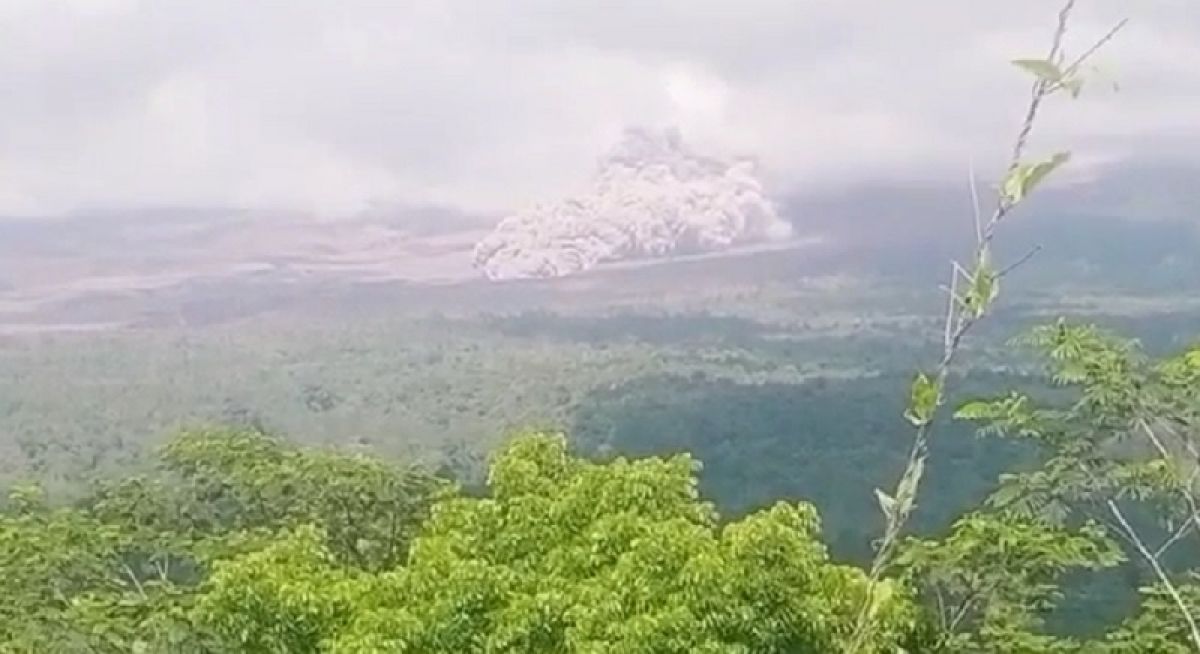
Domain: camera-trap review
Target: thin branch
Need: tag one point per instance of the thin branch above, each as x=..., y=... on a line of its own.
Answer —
x=1061, y=30
x=1038, y=93
x=1079, y=61
x=967, y=604
x=941, y=605
x=975, y=202
x=133, y=577
x=163, y=566
x=1179, y=533
x=1159, y=572
x=959, y=321
x=1020, y=262
x=948, y=330
x=1184, y=439
x=1186, y=493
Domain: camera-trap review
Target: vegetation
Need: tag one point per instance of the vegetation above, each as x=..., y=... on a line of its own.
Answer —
x=234, y=540
x=973, y=289
x=120, y=569
x=240, y=542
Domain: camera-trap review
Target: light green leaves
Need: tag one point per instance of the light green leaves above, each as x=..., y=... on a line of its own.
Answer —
x=1010, y=415
x=1183, y=371
x=1042, y=69
x=26, y=498
x=977, y=410
x=619, y=556
x=1023, y=178
x=284, y=598
x=238, y=480
x=982, y=286
x=1192, y=358
x=1007, y=407
x=925, y=395
x=993, y=576
x=284, y=529
x=1053, y=76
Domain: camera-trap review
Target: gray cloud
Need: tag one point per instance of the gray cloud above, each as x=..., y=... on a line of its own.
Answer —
x=489, y=106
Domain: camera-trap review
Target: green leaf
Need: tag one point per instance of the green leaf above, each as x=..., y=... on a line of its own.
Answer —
x=924, y=397
x=1041, y=68
x=984, y=288
x=1192, y=358
x=1023, y=178
x=1040, y=170
x=1005, y=495
x=977, y=410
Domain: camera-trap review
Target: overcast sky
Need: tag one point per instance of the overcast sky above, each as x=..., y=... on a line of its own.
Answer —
x=488, y=105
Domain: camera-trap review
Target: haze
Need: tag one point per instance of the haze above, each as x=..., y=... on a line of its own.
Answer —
x=157, y=145
x=331, y=109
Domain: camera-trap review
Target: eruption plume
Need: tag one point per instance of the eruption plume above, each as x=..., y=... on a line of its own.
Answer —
x=650, y=197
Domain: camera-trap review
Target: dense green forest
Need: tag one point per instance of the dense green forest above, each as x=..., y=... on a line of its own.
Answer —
x=235, y=540
x=785, y=392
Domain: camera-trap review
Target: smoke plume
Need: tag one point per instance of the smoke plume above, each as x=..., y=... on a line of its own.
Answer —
x=650, y=197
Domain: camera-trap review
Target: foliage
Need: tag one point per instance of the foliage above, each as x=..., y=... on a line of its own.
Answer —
x=570, y=556
x=241, y=542
x=121, y=571
x=73, y=582
x=993, y=577
x=972, y=292
x=1119, y=448
x=283, y=598
x=1157, y=627
x=1124, y=435
x=236, y=481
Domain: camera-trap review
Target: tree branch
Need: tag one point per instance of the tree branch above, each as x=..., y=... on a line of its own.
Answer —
x=1079, y=61
x=975, y=203
x=133, y=577
x=1156, y=566
x=1174, y=538
x=960, y=318
x=1185, y=492
x=1019, y=262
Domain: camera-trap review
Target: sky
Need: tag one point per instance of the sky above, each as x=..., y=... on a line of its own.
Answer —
x=330, y=108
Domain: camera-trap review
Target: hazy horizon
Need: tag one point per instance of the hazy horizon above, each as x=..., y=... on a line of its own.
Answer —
x=333, y=110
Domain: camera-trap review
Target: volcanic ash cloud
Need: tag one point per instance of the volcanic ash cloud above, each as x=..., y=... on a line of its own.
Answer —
x=651, y=197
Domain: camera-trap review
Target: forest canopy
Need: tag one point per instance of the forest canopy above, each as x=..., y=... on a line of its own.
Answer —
x=239, y=541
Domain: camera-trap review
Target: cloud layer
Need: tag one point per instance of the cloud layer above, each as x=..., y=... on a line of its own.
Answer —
x=328, y=107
